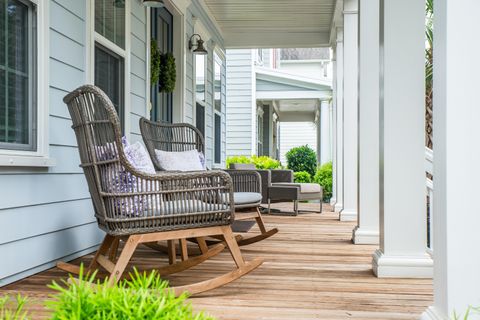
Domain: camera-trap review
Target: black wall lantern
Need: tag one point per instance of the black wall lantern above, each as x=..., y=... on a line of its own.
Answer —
x=199, y=48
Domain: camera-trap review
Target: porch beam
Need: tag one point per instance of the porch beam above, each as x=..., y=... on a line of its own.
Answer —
x=367, y=230
x=457, y=155
x=350, y=113
x=403, y=224
x=339, y=121
x=275, y=39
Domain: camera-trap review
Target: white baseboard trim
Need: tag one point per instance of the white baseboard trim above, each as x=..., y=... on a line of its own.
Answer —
x=365, y=236
x=348, y=215
x=432, y=313
x=338, y=207
x=385, y=266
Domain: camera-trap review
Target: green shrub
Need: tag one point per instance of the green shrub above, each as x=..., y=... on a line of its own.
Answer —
x=302, y=177
x=13, y=310
x=142, y=297
x=302, y=158
x=324, y=178
x=262, y=162
x=237, y=159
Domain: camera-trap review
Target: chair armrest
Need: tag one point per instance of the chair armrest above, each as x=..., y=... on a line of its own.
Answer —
x=245, y=180
x=279, y=175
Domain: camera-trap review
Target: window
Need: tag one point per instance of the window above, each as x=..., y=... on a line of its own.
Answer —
x=200, y=105
x=109, y=77
x=110, y=53
x=218, y=101
x=18, y=102
x=110, y=21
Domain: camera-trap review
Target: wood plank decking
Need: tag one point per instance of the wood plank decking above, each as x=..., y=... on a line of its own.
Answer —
x=311, y=271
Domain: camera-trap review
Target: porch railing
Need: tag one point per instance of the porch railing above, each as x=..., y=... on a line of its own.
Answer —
x=429, y=196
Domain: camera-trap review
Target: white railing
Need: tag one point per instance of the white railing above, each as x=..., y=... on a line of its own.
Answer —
x=429, y=197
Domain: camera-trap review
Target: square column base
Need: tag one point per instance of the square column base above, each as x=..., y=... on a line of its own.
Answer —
x=432, y=313
x=385, y=266
x=365, y=236
x=348, y=215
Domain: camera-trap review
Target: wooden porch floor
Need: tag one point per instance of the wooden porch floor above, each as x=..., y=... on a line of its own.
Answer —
x=311, y=271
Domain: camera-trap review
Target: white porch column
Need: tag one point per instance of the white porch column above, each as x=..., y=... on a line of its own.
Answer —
x=339, y=117
x=403, y=244
x=325, y=139
x=366, y=231
x=333, y=199
x=456, y=158
x=350, y=111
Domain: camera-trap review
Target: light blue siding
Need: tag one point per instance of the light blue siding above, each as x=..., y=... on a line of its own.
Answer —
x=46, y=213
x=240, y=98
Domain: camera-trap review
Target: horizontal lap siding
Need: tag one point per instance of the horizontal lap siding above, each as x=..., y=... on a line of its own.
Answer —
x=46, y=214
x=240, y=96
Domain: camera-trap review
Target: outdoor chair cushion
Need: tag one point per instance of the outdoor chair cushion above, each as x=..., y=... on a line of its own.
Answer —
x=242, y=198
x=180, y=161
x=242, y=166
x=304, y=187
x=166, y=208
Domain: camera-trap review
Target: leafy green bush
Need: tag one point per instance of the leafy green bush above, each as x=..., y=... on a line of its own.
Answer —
x=13, y=310
x=302, y=158
x=142, y=297
x=324, y=178
x=262, y=162
x=302, y=177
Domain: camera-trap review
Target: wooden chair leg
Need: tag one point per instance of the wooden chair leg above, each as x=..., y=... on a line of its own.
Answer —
x=74, y=269
x=260, y=223
x=183, y=249
x=114, y=249
x=122, y=262
x=172, y=252
x=233, y=246
x=202, y=244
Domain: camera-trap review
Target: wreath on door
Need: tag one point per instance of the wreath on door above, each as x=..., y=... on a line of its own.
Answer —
x=163, y=69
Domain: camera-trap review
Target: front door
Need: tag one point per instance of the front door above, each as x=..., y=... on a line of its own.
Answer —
x=162, y=32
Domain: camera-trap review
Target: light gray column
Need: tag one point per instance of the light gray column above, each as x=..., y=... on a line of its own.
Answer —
x=325, y=139
x=339, y=171
x=367, y=231
x=350, y=113
x=333, y=199
x=456, y=159
x=403, y=224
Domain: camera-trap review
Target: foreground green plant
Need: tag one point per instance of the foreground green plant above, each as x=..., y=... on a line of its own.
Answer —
x=145, y=296
x=262, y=162
x=13, y=310
x=324, y=177
x=470, y=311
x=302, y=177
x=302, y=158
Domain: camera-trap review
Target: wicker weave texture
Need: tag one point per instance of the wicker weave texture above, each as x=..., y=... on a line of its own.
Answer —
x=127, y=201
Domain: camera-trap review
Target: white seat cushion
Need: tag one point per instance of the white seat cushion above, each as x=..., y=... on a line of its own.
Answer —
x=242, y=198
x=304, y=187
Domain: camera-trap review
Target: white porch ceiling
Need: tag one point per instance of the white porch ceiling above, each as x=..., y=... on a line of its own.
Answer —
x=273, y=23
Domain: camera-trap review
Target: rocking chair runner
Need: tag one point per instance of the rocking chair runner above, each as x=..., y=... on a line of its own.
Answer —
x=246, y=183
x=140, y=208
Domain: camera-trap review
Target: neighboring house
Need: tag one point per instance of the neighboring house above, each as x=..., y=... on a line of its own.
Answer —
x=52, y=47
x=272, y=93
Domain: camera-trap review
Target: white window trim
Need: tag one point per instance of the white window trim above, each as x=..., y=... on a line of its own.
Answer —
x=93, y=37
x=195, y=100
x=218, y=56
x=39, y=157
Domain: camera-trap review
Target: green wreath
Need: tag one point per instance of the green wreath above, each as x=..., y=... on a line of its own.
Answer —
x=168, y=73
x=156, y=58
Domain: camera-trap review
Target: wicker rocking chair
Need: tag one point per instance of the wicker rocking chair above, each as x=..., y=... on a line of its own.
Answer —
x=246, y=183
x=139, y=208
